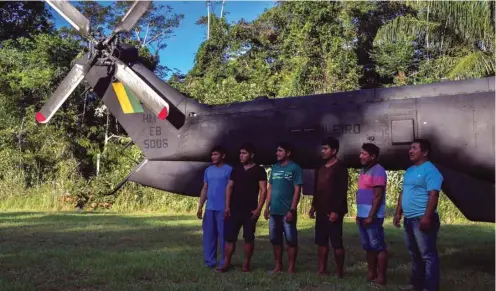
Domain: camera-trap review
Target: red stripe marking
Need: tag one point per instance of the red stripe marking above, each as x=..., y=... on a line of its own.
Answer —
x=40, y=117
x=163, y=114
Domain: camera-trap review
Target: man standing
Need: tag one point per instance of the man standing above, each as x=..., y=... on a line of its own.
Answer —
x=330, y=203
x=418, y=202
x=243, y=207
x=371, y=208
x=283, y=196
x=214, y=188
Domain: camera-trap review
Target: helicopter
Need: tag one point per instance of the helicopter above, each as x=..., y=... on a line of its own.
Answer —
x=176, y=133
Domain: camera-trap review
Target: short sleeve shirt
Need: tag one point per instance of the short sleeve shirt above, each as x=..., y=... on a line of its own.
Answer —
x=217, y=178
x=368, y=180
x=246, y=187
x=417, y=182
x=283, y=180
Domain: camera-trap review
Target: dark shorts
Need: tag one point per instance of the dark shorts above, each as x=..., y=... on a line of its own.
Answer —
x=326, y=231
x=232, y=226
x=372, y=236
x=278, y=226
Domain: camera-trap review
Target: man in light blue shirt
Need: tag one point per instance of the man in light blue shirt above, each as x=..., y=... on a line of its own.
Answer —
x=418, y=202
x=213, y=192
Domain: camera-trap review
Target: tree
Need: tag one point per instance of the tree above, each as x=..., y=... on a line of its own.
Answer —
x=22, y=19
x=152, y=31
x=446, y=39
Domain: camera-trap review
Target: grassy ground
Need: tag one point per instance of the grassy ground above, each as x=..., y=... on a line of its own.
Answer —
x=140, y=251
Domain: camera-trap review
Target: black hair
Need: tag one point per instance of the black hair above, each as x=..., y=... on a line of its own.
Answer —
x=372, y=149
x=332, y=143
x=425, y=145
x=221, y=150
x=286, y=146
x=249, y=147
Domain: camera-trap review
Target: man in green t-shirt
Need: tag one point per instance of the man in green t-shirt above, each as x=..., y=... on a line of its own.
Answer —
x=283, y=195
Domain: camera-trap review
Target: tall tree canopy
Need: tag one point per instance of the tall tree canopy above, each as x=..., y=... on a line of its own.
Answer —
x=442, y=39
x=22, y=19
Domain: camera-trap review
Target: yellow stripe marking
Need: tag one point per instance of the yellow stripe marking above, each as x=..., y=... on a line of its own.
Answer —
x=123, y=99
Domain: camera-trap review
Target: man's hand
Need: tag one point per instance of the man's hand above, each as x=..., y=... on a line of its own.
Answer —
x=227, y=213
x=367, y=221
x=266, y=213
x=289, y=216
x=199, y=213
x=311, y=213
x=397, y=220
x=255, y=213
x=425, y=223
x=333, y=217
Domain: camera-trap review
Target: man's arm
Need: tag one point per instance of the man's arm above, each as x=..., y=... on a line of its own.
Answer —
x=399, y=209
x=434, y=180
x=296, y=196
x=229, y=188
x=203, y=198
x=262, y=185
x=432, y=203
x=298, y=181
x=379, y=183
x=267, y=205
x=378, y=196
x=341, y=191
x=311, y=213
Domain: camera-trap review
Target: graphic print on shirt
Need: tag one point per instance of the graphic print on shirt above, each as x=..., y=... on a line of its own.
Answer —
x=283, y=179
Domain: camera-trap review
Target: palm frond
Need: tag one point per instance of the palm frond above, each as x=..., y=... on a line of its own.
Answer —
x=474, y=65
x=405, y=28
x=472, y=19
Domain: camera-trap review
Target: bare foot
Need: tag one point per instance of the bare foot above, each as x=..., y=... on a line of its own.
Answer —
x=323, y=273
x=291, y=270
x=277, y=270
x=380, y=281
x=223, y=269
x=371, y=276
x=246, y=268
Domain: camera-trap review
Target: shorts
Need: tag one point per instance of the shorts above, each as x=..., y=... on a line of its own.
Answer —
x=232, y=226
x=279, y=226
x=326, y=231
x=372, y=236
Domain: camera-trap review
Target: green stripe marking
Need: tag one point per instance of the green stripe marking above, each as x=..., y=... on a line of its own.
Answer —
x=133, y=100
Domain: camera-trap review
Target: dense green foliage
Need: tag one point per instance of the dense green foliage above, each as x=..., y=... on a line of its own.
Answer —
x=294, y=48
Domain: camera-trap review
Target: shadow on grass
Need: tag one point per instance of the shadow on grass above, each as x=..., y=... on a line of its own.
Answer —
x=66, y=251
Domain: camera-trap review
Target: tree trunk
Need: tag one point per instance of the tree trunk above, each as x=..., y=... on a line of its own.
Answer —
x=222, y=9
x=208, y=19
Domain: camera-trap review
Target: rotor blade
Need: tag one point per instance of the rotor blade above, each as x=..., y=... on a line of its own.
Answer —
x=132, y=16
x=72, y=15
x=63, y=91
x=143, y=91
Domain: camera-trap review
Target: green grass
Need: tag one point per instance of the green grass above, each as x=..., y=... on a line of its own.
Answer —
x=150, y=251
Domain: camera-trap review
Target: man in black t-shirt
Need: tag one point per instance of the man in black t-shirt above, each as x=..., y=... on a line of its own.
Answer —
x=243, y=206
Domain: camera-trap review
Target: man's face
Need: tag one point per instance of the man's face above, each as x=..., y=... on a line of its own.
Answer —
x=244, y=156
x=326, y=152
x=281, y=154
x=415, y=153
x=216, y=157
x=366, y=158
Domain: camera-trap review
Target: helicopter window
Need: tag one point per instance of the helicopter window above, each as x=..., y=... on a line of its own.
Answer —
x=402, y=131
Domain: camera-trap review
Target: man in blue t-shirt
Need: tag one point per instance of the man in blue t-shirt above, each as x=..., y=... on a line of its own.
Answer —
x=215, y=182
x=418, y=202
